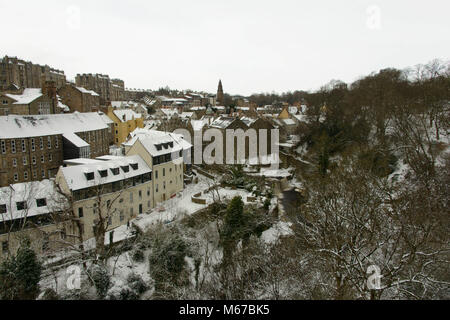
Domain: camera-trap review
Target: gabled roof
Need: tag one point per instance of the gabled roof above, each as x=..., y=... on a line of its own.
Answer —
x=27, y=97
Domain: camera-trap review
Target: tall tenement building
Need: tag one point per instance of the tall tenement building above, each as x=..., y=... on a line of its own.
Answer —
x=109, y=90
x=220, y=98
x=20, y=73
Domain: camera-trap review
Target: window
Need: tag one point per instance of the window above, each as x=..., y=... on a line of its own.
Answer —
x=89, y=175
x=13, y=146
x=131, y=211
x=156, y=174
x=22, y=205
x=140, y=194
x=43, y=173
x=164, y=185
x=42, y=159
x=25, y=175
x=125, y=168
x=122, y=217
x=103, y=173
x=49, y=142
x=41, y=202
x=164, y=172
x=4, y=102
x=131, y=196
x=33, y=160
x=56, y=143
x=156, y=187
x=2, y=208
x=33, y=146
x=25, y=161
x=41, y=143
x=115, y=171
x=135, y=166
x=3, y=147
x=148, y=192
x=50, y=157
x=24, y=146
x=149, y=204
x=80, y=212
x=16, y=177
x=109, y=221
x=34, y=174
x=14, y=162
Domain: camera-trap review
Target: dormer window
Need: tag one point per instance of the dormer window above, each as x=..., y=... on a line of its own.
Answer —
x=115, y=171
x=171, y=144
x=41, y=202
x=103, y=173
x=158, y=147
x=135, y=166
x=2, y=208
x=89, y=175
x=125, y=168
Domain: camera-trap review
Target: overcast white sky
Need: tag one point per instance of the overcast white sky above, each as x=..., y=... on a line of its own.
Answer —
x=253, y=46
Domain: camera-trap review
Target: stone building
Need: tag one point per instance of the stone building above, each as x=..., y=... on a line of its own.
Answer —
x=33, y=147
x=79, y=99
x=118, y=188
x=14, y=71
x=36, y=210
x=108, y=89
x=30, y=101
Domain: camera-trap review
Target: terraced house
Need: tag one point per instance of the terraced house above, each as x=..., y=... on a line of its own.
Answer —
x=33, y=147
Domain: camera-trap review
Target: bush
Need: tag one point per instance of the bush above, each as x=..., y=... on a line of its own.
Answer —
x=138, y=255
x=127, y=294
x=102, y=280
x=20, y=275
x=137, y=283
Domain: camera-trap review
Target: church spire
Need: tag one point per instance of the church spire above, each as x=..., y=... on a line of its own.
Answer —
x=219, y=97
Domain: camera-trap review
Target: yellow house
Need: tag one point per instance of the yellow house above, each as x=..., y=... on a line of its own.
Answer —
x=125, y=122
x=284, y=114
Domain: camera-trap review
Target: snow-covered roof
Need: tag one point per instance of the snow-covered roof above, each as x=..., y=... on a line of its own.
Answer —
x=75, y=140
x=222, y=122
x=197, y=108
x=61, y=105
x=75, y=176
x=248, y=121
x=29, y=192
x=198, y=125
x=293, y=110
x=105, y=118
x=125, y=115
x=151, y=138
x=28, y=96
x=15, y=126
x=186, y=115
x=288, y=122
x=83, y=90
